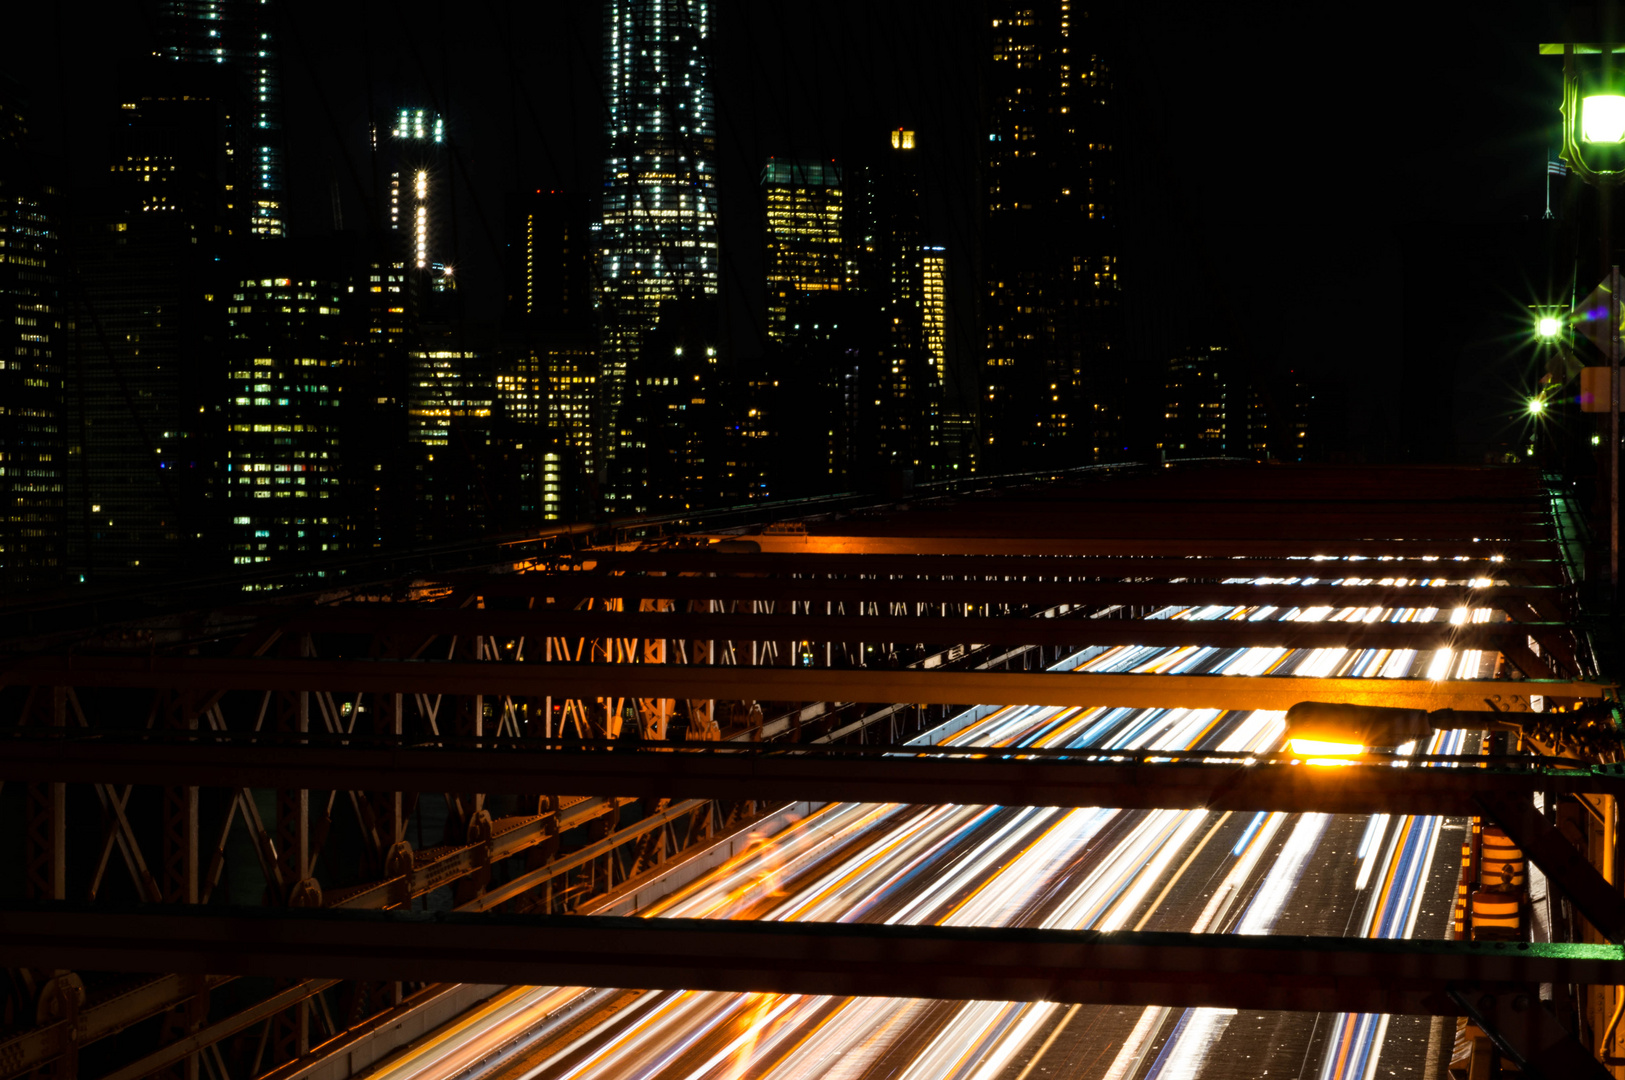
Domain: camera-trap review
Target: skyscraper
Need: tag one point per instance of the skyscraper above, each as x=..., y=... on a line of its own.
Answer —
x=660, y=201
x=146, y=383
x=803, y=202
x=935, y=310
x=1053, y=368
x=418, y=185
x=1205, y=414
x=239, y=36
x=282, y=435
x=548, y=381
x=31, y=317
x=899, y=396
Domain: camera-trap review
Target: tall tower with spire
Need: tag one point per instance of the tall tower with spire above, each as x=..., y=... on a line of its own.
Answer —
x=659, y=238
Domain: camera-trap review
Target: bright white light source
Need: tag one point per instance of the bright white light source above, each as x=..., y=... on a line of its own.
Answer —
x=1326, y=748
x=1602, y=118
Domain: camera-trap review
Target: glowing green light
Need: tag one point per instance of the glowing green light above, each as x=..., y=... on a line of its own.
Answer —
x=1537, y=406
x=1602, y=118
x=1548, y=326
x=1596, y=440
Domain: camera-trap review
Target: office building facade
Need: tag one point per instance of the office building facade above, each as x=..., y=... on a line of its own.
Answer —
x=280, y=493
x=32, y=458
x=147, y=381
x=659, y=240
x=1052, y=373
x=547, y=384
x=803, y=208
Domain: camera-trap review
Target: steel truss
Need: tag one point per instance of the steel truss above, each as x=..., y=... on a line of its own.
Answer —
x=454, y=690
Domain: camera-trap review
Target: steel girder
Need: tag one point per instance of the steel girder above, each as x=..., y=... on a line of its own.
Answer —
x=1017, y=543
x=1225, y=633
x=1527, y=601
x=1509, y=638
x=711, y=560
x=1146, y=780
x=953, y=963
x=936, y=687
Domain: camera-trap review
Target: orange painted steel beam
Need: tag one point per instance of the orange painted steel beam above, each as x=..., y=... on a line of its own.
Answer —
x=1139, y=593
x=711, y=560
x=928, y=775
x=935, y=687
x=1140, y=545
x=1227, y=633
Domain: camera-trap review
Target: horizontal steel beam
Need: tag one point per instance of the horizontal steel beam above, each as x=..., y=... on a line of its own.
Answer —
x=1141, y=545
x=710, y=560
x=1141, y=593
x=842, y=959
x=1172, y=519
x=687, y=771
x=936, y=687
x=551, y=621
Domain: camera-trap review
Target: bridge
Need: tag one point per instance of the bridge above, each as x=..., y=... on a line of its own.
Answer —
x=995, y=777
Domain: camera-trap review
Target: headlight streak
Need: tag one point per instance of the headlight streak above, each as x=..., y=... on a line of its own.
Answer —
x=990, y=866
x=1356, y=1039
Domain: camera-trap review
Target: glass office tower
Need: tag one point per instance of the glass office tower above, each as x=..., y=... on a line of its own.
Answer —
x=803, y=208
x=1053, y=376
x=659, y=239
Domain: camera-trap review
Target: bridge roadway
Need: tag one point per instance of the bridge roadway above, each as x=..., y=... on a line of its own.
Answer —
x=1176, y=870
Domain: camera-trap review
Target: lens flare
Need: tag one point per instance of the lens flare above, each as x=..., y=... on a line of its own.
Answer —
x=1326, y=748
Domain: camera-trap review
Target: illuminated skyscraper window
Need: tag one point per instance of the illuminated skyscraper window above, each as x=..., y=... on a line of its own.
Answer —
x=31, y=344
x=804, y=255
x=660, y=199
x=935, y=310
x=1053, y=389
x=418, y=178
x=282, y=440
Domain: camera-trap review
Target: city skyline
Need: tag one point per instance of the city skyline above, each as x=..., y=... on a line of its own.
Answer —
x=857, y=312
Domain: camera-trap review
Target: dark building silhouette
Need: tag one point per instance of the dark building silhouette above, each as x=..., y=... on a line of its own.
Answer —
x=898, y=390
x=381, y=475
x=547, y=384
x=680, y=451
x=239, y=39
x=1053, y=372
x=31, y=352
x=1216, y=405
x=452, y=431
x=821, y=412
x=147, y=380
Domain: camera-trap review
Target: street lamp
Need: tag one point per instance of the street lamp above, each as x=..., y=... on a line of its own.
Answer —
x=1320, y=729
x=1602, y=118
x=1536, y=406
x=1593, y=134
x=1548, y=327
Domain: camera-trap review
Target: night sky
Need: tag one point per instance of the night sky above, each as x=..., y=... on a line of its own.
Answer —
x=1339, y=190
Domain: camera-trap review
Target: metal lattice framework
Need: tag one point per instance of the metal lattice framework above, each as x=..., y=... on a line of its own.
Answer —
x=541, y=736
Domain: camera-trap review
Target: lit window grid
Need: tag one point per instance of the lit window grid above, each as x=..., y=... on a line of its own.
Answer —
x=659, y=230
x=282, y=421
x=934, y=313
